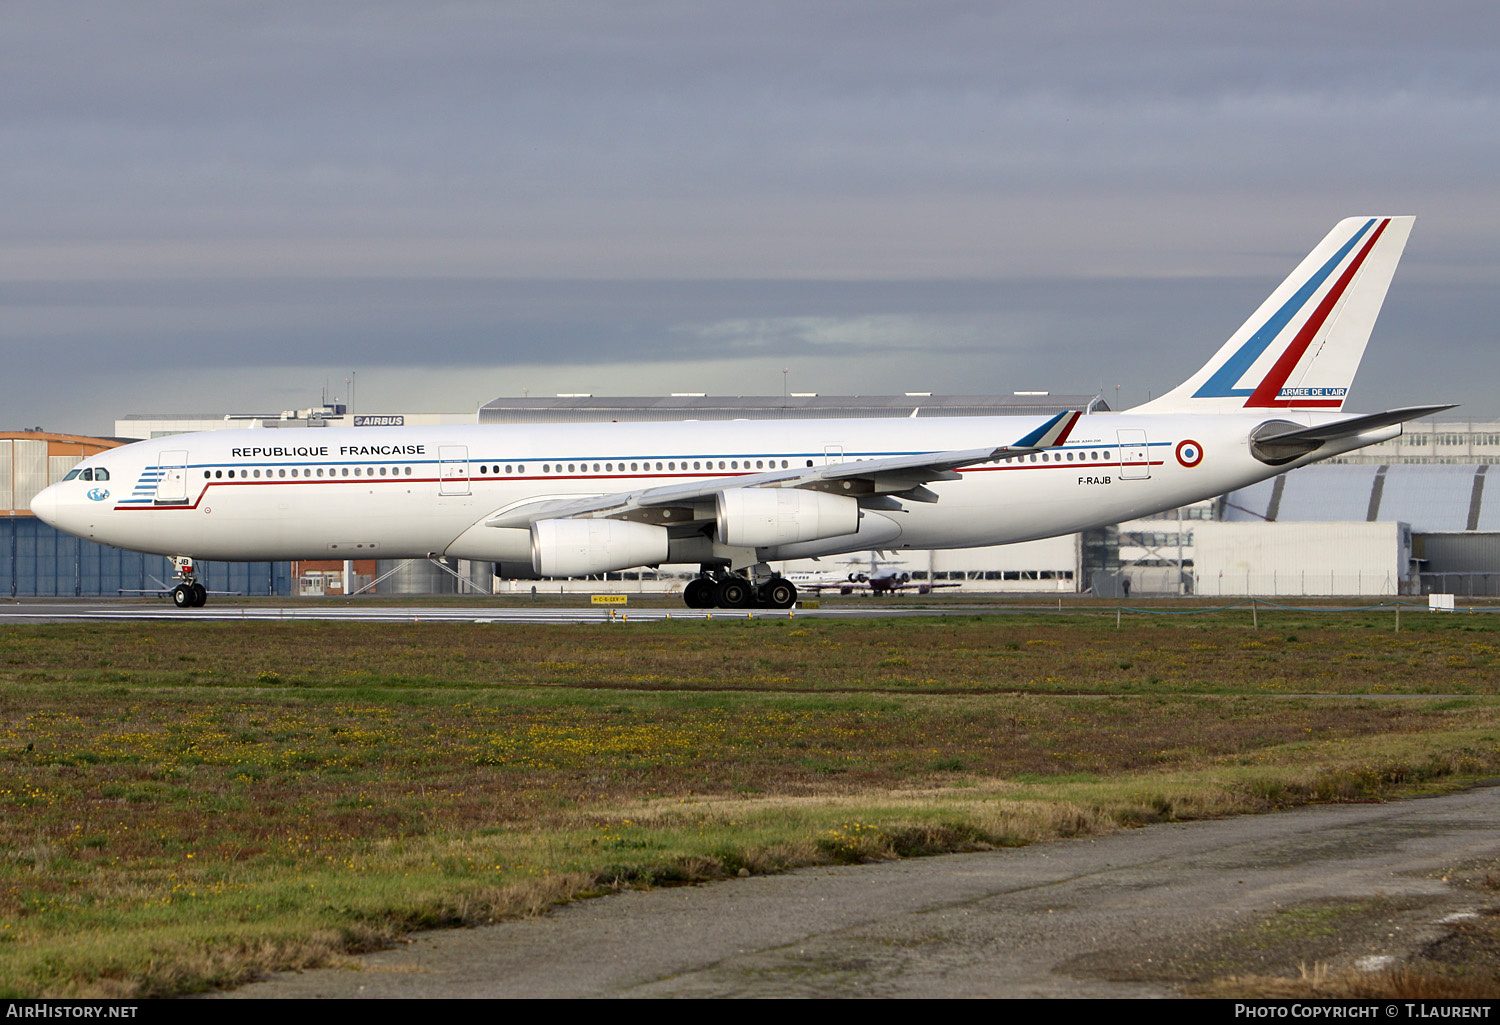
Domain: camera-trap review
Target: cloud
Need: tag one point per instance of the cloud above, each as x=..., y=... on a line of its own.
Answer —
x=963, y=191
x=870, y=335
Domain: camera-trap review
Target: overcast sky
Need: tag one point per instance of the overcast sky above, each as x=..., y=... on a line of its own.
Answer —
x=228, y=206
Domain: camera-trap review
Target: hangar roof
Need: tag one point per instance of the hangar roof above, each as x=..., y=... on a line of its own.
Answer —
x=592, y=408
x=1433, y=497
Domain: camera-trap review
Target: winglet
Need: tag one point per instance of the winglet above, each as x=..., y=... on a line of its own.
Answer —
x=1052, y=433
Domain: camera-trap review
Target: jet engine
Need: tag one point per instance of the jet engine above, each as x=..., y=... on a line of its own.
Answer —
x=762, y=517
x=576, y=548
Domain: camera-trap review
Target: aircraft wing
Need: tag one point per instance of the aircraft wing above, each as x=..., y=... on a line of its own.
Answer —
x=901, y=475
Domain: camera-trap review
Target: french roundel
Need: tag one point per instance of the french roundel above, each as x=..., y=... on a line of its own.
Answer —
x=1189, y=452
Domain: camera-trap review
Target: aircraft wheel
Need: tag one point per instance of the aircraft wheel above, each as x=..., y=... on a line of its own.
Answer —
x=734, y=593
x=200, y=595
x=778, y=594
x=182, y=596
x=699, y=594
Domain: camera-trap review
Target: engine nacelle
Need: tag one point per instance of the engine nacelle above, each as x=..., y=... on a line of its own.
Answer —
x=762, y=517
x=576, y=548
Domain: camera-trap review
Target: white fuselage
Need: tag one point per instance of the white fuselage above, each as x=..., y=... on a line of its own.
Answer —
x=404, y=492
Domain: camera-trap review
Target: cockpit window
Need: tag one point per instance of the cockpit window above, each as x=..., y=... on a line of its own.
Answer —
x=100, y=473
x=87, y=474
x=72, y=473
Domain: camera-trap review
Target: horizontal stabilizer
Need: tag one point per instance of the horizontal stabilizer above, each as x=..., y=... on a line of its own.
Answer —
x=1360, y=424
x=1280, y=442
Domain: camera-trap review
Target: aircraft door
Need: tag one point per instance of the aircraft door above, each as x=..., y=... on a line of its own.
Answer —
x=833, y=454
x=1135, y=455
x=453, y=469
x=171, y=486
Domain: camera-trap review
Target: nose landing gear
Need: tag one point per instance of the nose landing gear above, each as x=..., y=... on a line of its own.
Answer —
x=189, y=594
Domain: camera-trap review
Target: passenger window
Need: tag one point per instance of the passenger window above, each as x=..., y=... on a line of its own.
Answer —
x=759, y=465
x=294, y=471
x=383, y=471
x=520, y=469
x=734, y=464
x=89, y=475
x=281, y=473
x=217, y=473
x=696, y=466
x=356, y=471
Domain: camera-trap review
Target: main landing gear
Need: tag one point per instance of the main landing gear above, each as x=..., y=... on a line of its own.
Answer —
x=732, y=591
x=189, y=594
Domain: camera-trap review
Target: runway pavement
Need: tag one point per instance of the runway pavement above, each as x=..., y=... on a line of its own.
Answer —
x=69, y=611
x=1138, y=913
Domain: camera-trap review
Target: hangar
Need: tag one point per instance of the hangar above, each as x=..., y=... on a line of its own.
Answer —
x=36, y=559
x=1417, y=514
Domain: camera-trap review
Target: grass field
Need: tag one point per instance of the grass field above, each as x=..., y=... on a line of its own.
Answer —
x=187, y=804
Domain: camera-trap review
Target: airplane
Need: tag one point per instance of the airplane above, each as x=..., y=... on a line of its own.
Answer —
x=877, y=582
x=892, y=582
x=561, y=500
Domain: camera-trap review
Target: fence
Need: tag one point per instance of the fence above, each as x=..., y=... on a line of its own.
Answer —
x=1473, y=584
x=1296, y=583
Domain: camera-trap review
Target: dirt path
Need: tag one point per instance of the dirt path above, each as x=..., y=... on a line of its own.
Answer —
x=1139, y=913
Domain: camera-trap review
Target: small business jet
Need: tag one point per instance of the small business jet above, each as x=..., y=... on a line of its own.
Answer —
x=565, y=500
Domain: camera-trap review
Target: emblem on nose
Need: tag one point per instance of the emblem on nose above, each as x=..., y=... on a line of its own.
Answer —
x=99, y=494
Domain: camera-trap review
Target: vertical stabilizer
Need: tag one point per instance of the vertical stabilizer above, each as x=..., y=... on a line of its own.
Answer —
x=1301, y=348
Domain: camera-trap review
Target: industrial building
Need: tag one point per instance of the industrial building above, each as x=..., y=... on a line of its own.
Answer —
x=36, y=559
x=143, y=426
x=793, y=406
x=1308, y=531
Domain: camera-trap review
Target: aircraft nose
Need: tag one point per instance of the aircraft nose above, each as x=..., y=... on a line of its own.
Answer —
x=44, y=505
